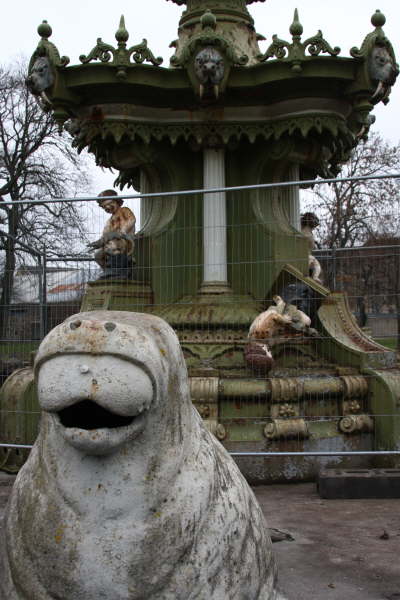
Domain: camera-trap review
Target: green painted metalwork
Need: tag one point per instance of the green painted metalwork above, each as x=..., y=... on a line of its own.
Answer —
x=117, y=295
x=385, y=403
x=19, y=417
x=299, y=107
x=295, y=52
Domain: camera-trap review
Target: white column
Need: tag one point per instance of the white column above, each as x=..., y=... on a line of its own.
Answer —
x=214, y=218
x=293, y=198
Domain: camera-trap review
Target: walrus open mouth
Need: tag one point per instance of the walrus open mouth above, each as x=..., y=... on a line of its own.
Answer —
x=89, y=415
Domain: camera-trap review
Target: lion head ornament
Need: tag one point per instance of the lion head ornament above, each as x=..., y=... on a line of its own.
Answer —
x=125, y=494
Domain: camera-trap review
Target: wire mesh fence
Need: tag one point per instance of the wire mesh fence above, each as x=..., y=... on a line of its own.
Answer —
x=321, y=387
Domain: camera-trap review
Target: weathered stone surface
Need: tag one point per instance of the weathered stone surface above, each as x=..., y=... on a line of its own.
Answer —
x=126, y=495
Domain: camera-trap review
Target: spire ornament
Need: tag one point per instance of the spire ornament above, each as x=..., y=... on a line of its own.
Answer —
x=296, y=28
x=122, y=35
x=120, y=57
x=295, y=52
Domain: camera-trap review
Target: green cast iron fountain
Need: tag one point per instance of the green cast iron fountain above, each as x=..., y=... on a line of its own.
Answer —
x=226, y=114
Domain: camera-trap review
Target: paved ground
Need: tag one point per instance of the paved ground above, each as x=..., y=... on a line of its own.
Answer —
x=343, y=549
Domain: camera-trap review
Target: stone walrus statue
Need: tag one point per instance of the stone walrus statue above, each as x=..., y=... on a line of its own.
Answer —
x=126, y=495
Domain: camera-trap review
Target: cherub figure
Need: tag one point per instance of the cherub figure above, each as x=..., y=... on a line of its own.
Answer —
x=115, y=247
x=309, y=221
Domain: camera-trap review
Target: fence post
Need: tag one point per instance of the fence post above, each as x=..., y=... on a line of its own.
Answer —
x=45, y=290
x=40, y=294
x=43, y=293
x=334, y=268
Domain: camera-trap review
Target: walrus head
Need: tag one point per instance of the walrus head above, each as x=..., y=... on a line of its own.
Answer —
x=41, y=78
x=209, y=68
x=96, y=379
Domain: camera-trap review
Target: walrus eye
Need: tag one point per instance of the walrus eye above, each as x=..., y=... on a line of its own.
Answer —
x=89, y=415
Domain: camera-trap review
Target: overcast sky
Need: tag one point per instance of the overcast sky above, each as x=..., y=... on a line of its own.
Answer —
x=78, y=23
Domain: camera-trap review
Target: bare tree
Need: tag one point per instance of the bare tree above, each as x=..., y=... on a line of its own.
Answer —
x=353, y=211
x=36, y=164
x=380, y=275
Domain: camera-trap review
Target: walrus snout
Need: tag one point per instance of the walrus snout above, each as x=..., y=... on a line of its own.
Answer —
x=96, y=403
x=89, y=415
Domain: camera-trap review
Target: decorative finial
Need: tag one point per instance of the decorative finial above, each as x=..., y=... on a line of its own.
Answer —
x=378, y=19
x=208, y=20
x=296, y=28
x=122, y=35
x=44, y=30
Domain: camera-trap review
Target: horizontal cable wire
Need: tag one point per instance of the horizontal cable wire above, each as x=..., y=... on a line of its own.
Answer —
x=276, y=454
x=237, y=188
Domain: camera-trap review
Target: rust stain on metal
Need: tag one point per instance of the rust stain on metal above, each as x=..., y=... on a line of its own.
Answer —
x=97, y=114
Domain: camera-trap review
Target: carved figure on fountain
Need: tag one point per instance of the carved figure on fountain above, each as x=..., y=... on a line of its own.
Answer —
x=41, y=76
x=42, y=70
x=209, y=68
x=124, y=476
x=116, y=245
x=383, y=71
x=379, y=61
x=280, y=321
x=309, y=221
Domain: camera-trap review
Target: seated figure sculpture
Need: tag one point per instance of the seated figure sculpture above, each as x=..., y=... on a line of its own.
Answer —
x=116, y=245
x=125, y=494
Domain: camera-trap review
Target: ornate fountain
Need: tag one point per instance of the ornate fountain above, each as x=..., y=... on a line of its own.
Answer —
x=224, y=113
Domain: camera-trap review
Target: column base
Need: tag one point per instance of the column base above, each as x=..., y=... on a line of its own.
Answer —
x=215, y=287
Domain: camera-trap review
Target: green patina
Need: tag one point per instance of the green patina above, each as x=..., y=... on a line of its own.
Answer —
x=294, y=111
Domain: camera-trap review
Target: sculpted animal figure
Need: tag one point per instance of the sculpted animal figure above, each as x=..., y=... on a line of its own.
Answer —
x=383, y=72
x=209, y=68
x=126, y=495
x=41, y=78
x=281, y=319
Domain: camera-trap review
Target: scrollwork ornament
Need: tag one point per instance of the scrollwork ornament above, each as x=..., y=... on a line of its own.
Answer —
x=278, y=49
x=120, y=57
x=141, y=53
x=318, y=44
x=296, y=51
x=102, y=51
x=281, y=49
x=204, y=411
x=220, y=432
